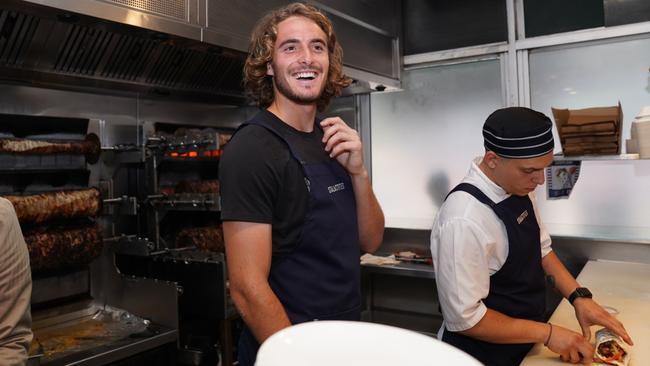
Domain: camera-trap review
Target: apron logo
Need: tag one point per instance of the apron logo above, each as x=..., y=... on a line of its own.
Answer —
x=522, y=217
x=335, y=188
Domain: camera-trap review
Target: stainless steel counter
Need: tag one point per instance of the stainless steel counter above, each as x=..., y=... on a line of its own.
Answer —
x=401, y=269
x=402, y=295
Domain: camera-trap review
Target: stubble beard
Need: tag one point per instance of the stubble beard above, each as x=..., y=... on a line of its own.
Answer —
x=283, y=87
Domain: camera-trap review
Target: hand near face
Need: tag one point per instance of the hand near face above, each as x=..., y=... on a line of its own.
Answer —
x=589, y=313
x=343, y=144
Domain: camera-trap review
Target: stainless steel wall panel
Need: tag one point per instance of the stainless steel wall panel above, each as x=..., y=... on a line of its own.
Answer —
x=365, y=49
x=117, y=110
x=178, y=9
x=230, y=22
x=383, y=15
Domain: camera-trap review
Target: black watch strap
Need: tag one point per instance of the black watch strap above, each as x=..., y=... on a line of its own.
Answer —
x=580, y=292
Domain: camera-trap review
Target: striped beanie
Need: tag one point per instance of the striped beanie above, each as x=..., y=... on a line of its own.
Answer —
x=518, y=133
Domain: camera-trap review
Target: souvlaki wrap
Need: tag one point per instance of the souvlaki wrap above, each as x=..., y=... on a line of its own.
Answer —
x=611, y=349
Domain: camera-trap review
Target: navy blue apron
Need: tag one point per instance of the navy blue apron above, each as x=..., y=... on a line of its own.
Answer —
x=320, y=279
x=518, y=288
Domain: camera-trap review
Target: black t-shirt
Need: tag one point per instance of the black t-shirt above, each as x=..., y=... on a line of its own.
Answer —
x=262, y=182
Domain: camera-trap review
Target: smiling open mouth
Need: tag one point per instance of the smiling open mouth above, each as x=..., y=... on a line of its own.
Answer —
x=305, y=75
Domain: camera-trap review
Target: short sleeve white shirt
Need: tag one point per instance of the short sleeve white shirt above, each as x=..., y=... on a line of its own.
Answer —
x=469, y=243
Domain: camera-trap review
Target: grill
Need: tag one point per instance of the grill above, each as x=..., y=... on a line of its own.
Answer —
x=49, y=170
x=161, y=242
x=179, y=216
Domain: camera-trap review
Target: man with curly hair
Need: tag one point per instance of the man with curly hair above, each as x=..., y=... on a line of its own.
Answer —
x=297, y=204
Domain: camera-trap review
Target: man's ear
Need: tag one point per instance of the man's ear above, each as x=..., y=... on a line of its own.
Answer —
x=269, y=69
x=491, y=159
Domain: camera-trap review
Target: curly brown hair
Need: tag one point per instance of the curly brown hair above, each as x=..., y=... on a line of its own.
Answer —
x=259, y=85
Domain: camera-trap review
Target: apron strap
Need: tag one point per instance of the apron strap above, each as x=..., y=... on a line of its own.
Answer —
x=474, y=191
x=273, y=130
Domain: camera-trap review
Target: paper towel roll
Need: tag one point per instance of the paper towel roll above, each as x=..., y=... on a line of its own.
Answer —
x=643, y=138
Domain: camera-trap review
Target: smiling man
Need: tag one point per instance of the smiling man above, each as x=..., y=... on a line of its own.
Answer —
x=491, y=253
x=297, y=204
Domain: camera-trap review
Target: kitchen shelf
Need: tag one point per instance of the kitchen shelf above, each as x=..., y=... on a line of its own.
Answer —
x=561, y=157
x=401, y=269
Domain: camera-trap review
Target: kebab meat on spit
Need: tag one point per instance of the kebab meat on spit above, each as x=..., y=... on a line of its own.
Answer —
x=60, y=247
x=207, y=238
x=191, y=186
x=39, y=208
x=90, y=147
x=198, y=186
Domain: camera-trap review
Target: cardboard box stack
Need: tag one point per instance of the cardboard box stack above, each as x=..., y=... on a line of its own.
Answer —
x=589, y=131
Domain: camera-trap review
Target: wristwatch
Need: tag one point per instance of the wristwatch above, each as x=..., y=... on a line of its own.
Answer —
x=580, y=292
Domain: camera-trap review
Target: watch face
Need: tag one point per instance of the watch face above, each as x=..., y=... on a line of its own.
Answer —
x=580, y=292
x=583, y=292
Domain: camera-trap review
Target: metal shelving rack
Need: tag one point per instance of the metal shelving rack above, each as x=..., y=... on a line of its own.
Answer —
x=561, y=157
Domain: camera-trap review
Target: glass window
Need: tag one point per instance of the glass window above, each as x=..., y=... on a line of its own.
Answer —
x=619, y=12
x=542, y=17
x=434, y=25
x=424, y=138
x=608, y=193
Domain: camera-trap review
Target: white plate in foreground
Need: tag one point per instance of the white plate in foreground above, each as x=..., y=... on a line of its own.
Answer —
x=343, y=343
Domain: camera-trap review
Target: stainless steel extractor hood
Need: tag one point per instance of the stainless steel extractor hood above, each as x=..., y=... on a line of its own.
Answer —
x=47, y=46
x=182, y=48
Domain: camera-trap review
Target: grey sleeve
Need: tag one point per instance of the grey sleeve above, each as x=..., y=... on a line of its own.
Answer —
x=15, y=290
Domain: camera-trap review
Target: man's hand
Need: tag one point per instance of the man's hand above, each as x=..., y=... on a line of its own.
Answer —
x=589, y=313
x=343, y=144
x=571, y=346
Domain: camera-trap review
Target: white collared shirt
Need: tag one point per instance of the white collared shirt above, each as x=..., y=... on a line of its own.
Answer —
x=469, y=243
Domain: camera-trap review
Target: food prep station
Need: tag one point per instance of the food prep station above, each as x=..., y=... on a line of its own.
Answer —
x=622, y=289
